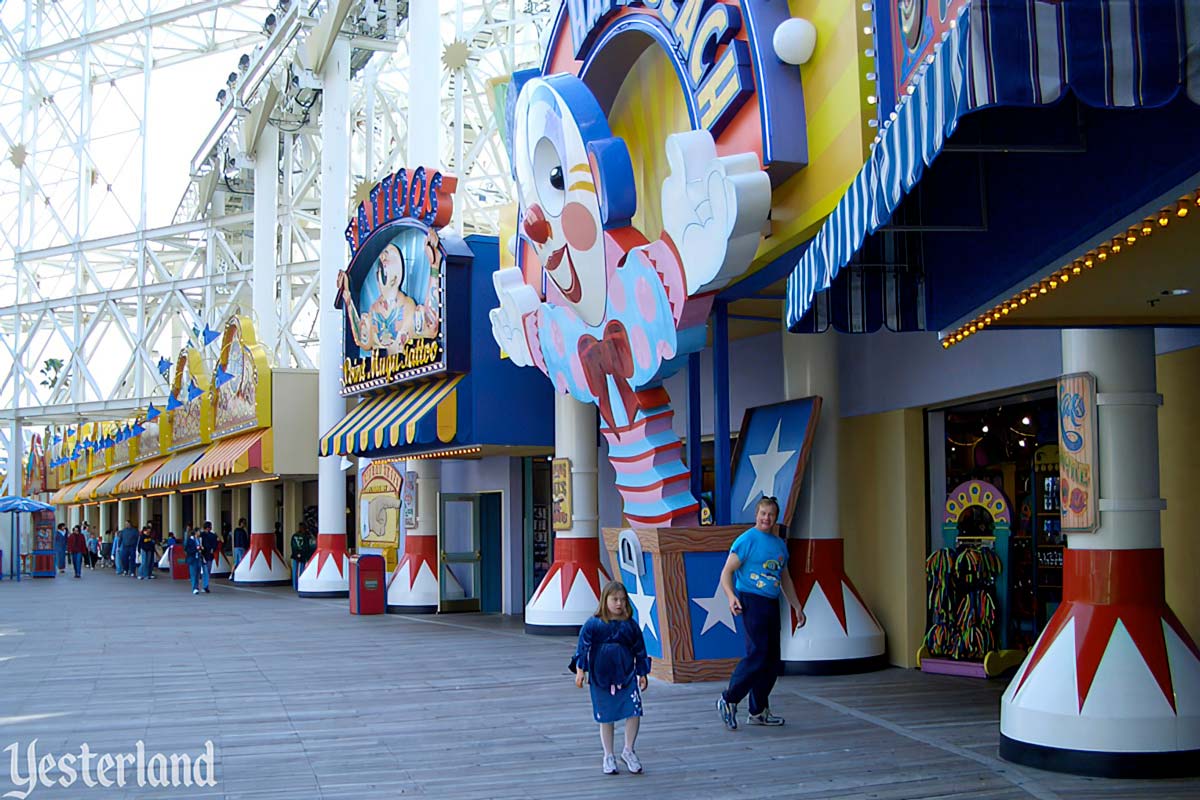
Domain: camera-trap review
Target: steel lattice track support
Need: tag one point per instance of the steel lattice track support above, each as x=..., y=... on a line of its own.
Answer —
x=77, y=285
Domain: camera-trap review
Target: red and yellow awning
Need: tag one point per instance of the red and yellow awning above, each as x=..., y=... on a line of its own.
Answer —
x=136, y=481
x=233, y=455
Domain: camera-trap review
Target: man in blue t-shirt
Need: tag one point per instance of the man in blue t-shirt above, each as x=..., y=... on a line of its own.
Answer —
x=754, y=574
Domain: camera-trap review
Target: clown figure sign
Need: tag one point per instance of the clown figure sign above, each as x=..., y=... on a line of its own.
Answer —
x=604, y=313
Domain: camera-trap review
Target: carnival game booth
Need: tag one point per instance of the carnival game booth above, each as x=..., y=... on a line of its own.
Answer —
x=1035, y=163
x=431, y=388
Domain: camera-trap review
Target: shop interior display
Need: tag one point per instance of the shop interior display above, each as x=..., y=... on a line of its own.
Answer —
x=997, y=575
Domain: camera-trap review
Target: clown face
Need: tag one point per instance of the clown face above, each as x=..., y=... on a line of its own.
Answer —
x=556, y=119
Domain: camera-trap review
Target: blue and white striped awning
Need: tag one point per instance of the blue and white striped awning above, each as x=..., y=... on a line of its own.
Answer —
x=1109, y=53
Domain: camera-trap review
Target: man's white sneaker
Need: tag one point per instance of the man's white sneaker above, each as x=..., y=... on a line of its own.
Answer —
x=765, y=718
x=631, y=760
x=610, y=765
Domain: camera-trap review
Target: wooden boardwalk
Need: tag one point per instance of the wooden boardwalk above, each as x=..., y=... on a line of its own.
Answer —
x=301, y=700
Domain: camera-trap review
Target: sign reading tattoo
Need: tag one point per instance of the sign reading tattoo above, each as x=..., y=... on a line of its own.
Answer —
x=393, y=291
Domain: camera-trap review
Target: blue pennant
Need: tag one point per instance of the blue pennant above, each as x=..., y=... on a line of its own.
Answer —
x=194, y=391
x=164, y=366
x=152, y=413
x=210, y=335
x=173, y=402
x=138, y=429
x=222, y=376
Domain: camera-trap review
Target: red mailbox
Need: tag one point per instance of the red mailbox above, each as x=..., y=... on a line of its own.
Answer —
x=368, y=584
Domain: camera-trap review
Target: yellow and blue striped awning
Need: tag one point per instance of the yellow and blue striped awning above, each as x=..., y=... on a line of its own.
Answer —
x=390, y=419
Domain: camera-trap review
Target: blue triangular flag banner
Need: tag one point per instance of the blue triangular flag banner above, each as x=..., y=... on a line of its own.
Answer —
x=173, y=402
x=138, y=429
x=222, y=376
x=152, y=413
x=210, y=335
x=194, y=391
x=164, y=366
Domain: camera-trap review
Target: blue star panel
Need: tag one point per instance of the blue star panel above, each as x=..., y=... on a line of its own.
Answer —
x=703, y=572
x=764, y=462
x=653, y=640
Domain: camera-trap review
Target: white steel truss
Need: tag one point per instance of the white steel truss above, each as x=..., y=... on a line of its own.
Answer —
x=85, y=281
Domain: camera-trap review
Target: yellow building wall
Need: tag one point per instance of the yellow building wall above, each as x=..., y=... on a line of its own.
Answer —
x=881, y=474
x=1179, y=465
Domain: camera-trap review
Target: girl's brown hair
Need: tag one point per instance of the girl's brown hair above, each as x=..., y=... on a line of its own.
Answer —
x=610, y=588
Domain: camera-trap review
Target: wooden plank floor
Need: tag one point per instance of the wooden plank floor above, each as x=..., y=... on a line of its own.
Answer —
x=301, y=700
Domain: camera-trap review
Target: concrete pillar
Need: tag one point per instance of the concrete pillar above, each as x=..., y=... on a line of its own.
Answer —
x=143, y=511
x=175, y=515
x=123, y=515
x=413, y=586
x=327, y=573
x=557, y=608
x=212, y=509
x=424, y=81
x=841, y=634
x=1112, y=686
x=212, y=513
x=263, y=565
x=239, y=504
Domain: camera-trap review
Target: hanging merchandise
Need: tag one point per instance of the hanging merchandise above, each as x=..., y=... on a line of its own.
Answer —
x=966, y=597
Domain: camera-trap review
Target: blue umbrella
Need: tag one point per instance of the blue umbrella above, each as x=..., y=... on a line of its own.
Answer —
x=19, y=505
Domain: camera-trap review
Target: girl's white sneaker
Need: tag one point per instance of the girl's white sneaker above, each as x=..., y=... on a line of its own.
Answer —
x=631, y=760
x=610, y=765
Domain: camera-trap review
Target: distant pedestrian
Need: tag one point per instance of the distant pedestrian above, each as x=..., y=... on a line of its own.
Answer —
x=210, y=543
x=93, y=549
x=147, y=546
x=241, y=542
x=60, y=546
x=127, y=542
x=612, y=654
x=106, y=548
x=76, y=546
x=193, y=548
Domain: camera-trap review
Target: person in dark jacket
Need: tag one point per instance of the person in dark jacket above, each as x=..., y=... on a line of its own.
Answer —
x=60, y=546
x=76, y=546
x=193, y=548
x=209, y=542
x=147, y=545
x=241, y=542
x=612, y=654
x=128, y=541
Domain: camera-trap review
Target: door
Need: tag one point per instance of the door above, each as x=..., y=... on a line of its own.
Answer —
x=491, y=547
x=459, y=584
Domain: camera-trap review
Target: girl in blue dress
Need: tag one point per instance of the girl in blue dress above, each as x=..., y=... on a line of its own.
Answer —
x=612, y=653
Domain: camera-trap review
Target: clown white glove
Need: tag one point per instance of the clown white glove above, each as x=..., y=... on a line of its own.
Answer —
x=713, y=209
x=517, y=299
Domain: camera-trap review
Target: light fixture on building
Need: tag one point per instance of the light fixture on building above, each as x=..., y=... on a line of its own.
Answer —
x=269, y=24
x=1147, y=228
x=1021, y=442
x=231, y=81
x=1175, y=292
x=1181, y=209
x=221, y=96
x=985, y=429
x=1025, y=420
x=794, y=41
x=1164, y=218
x=243, y=63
